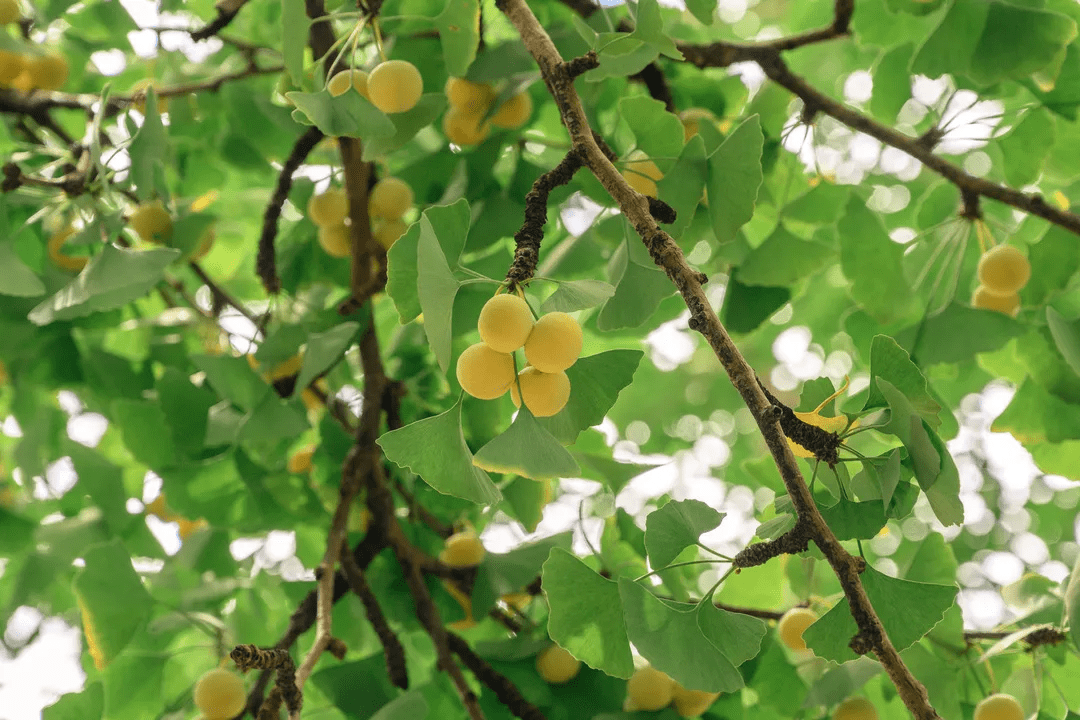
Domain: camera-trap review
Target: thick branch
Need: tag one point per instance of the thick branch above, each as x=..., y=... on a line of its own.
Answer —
x=504, y=690
x=392, y=649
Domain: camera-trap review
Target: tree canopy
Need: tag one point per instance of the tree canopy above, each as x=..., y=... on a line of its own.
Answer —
x=589, y=362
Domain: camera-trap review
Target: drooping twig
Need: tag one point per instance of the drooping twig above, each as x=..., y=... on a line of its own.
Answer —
x=392, y=649
x=226, y=11
x=504, y=690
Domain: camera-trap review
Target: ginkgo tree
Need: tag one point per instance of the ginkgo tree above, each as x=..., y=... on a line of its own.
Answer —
x=722, y=313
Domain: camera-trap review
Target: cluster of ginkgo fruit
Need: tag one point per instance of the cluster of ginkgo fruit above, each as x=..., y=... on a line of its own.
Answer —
x=393, y=86
x=1003, y=271
x=649, y=689
x=32, y=67
x=552, y=344
x=468, y=120
x=388, y=201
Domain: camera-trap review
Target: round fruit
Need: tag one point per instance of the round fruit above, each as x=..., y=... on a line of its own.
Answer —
x=462, y=549
x=395, y=86
x=11, y=65
x=48, y=71
x=328, y=208
x=346, y=79
x=514, y=113
x=691, y=703
x=557, y=666
x=641, y=173
x=999, y=707
x=390, y=198
x=545, y=393
x=151, y=221
x=219, y=695
x=462, y=127
x=9, y=11
x=505, y=323
x=649, y=689
x=793, y=624
x=986, y=299
x=335, y=240
x=485, y=373
x=467, y=95
x=387, y=232
x=55, y=250
x=1004, y=269
x=300, y=461
x=691, y=120
x=554, y=343
x=855, y=708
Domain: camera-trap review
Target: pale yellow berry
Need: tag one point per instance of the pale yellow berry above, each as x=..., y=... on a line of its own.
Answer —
x=514, y=113
x=462, y=549
x=335, y=240
x=999, y=707
x=1004, y=269
x=151, y=221
x=11, y=66
x=467, y=95
x=792, y=626
x=463, y=127
x=328, y=208
x=557, y=666
x=855, y=708
x=390, y=199
x=554, y=343
x=485, y=373
x=649, y=689
x=387, y=232
x=545, y=393
x=345, y=80
x=986, y=299
x=641, y=173
x=48, y=71
x=395, y=86
x=505, y=323
x=219, y=695
x=691, y=703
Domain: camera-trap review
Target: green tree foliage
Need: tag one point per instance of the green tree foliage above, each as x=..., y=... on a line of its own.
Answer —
x=781, y=221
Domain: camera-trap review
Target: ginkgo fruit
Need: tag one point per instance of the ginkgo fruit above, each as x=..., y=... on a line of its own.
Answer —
x=1003, y=269
x=390, y=198
x=545, y=393
x=300, y=461
x=328, y=208
x=554, y=343
x=462, y=549
x=692, y=118
x=219, y=694
x=641, y=173
x=335, y=240
x=792, y=626
x=464, y=127
x=47, y=72
x=9, y=11
x=986, y=299
x=55, y=250
x=395, y=86
x=505, y=322
x=485, y=373
x=855, y=708
x=345, y=80
x=999, y=706
x=514, y=113
x=467, y=95
x=11, y=66
x=691, y=703
x=387, y=232
x=648, y=689
x=556, y=665
x=151, y=221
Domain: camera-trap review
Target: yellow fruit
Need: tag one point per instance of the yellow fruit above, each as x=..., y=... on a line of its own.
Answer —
x=467, y=95
x=554, y=343
x=462, y=549
x=514, y=113
x=190, y=527
x=855, y=708
x=987, y=299
x=387, y=232
x=793, y=624
x=55, y=246
x=390, y=199
x=9, y=11
x=395, y=86
x=151, y=222
x=300, y=461
x=648, y=689
x=219, y=695
x=691, y=703
x=48, y=71
x=557, y=666
x=505, y=323
x=335, y=240
x=343, y=81
x=999, y=707
x=485, y=373
x=545, y=393
x=328, y=208
x=691, y=120
x=1004, y=269
x=641, y=173
x=463, y=127
x=11, y=66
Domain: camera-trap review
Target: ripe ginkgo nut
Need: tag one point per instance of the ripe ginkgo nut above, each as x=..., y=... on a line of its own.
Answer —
x=554, y=343
x=691, y=703
x=387, y=232
x=855, y=708
x=11, y=66
x=328, y=208
x=514, y=113
x=151, y=221
x=463, y=127
x=48, y=71
x=390, y=198
x=219, y=694
x=999, y=707
x=985, y=299
x=395, y=86
x=1003, y=269
x=345, y=80
x=649, y=689
x=505, y=323
x=462, y=549
x=793, y=624
x=545, y=393
x=467, y=95
x=485, y=373
x=335, y=240
x=641, y=173
x=557, y=666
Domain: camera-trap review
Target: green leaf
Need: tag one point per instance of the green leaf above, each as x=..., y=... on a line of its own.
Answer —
x=149, y=151
x=577, y=295
x=434, y=448
x=324, y=350
x=891, y=362
x=115, y=606
x=348, y=114
x=406, y=125
x=294, y=38
x=459, y=33
x=747, y=306
x=638, y=293
x=620, y=55
x=874, y=265
x=892, y=83
x=436, y=286
x=114, y=277
x=783, y=259
x=1066, y=337
x=908, y=610
x=683, y=186
x=676, y=526
x=271, y=421
x=186, y=409
x=735, y=635
x=90, y=703
x=1053, y=260
x=957, y=333
x=659, y=134
x=451, y=226
x=649, y=26
x=146, y=431
x=734, y=178
x=503, y=573
x=526, y=449
x=1035, y=415
x=1072, y=603
x=586, y=615
x=855, y=520
x=840, y=683
x=1025, y=148
x=595, y=384
x=668, y=636
x=17, y=279
x=232, y=378
x=703, y=10
x=410, y=706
